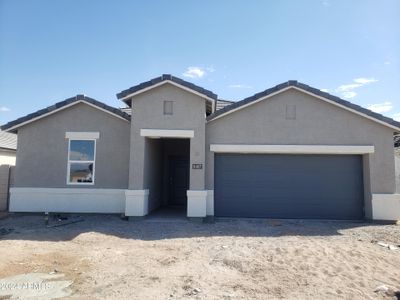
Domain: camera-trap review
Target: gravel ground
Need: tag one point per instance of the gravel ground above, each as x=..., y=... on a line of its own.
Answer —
x=109, y=258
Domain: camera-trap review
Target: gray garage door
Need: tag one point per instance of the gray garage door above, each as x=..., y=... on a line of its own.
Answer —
x=289, y=186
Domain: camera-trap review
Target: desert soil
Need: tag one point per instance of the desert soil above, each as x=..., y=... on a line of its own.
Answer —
x=109, y=258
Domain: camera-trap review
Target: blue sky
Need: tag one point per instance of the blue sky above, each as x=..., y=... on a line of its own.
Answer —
x=52, y=50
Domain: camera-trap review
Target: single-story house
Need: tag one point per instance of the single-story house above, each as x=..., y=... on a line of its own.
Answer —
x=291, y=151
x=8, y=148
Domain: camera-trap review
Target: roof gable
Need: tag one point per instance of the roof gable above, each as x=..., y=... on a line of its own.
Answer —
x=14, y=125
x=163, y=79
x=292, y=84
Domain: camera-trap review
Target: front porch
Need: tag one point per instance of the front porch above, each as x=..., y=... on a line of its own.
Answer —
x=167, y=176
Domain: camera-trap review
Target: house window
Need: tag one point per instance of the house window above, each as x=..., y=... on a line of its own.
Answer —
x=81, y=161
x=168, y=107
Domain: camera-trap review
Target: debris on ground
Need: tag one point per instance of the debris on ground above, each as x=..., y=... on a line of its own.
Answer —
x=381, y=289
x=389, y=246
x=388, y=291
x=383, y=244
x=193, y=292
x=59, y=220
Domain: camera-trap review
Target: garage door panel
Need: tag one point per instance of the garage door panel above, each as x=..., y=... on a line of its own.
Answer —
x=289, y=186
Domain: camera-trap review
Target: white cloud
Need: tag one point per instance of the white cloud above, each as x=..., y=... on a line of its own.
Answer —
x=348, y=87
x=396, y=116
x=4, y=109
x=347, y=90
x=325, y=90
x=381, y=107
x=363, y=81
x=349, y=94
x=387, y=62
x=240, y=86
x=194, y=72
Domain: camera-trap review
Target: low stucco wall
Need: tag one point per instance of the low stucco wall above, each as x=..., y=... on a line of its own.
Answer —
x=67, y=200
x=386, y=206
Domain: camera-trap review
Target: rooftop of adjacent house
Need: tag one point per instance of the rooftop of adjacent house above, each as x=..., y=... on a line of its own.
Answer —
x=8, y=141
x=221, y=103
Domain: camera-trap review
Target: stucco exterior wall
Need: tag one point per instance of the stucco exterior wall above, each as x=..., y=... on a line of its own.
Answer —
x=148, y=113
x=316, y=123
x=42, y=153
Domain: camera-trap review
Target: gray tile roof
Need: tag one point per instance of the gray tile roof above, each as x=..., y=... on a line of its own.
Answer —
x=309, y=89
x=8, y=141
x=61, y=104
x=166, y=77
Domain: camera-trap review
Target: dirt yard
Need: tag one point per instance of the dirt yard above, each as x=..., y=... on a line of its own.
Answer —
x=106, y=257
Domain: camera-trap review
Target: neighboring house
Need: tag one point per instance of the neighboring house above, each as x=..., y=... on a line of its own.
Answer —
x=291, y=151
x=8, y=148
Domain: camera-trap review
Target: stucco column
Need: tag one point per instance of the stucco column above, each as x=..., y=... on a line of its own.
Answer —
x=136, y=164
x=196, y=195
x=136, y=197
x=197, y=156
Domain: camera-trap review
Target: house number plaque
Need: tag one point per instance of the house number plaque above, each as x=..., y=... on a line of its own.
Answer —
x=197, y=166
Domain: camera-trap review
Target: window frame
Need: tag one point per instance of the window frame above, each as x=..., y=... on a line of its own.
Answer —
x=69, y=161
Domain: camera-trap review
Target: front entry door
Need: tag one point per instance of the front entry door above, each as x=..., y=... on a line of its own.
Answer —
x=179, y=180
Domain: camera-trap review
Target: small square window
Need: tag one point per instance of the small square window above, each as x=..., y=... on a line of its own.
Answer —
x=168, y=107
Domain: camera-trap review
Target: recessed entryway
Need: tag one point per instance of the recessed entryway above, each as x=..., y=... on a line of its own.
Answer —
x=167, y=174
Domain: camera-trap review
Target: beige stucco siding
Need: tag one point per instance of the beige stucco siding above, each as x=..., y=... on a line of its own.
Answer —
x=316, y=123
x=148, y=113
x=43, y=149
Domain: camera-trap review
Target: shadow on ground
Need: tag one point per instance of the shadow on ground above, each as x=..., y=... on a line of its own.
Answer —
x=33, y=227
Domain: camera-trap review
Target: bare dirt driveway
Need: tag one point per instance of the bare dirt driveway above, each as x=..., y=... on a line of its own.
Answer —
x=108, y=258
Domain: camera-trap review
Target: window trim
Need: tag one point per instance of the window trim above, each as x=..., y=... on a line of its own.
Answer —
x=81, y=161
x=82, y=135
